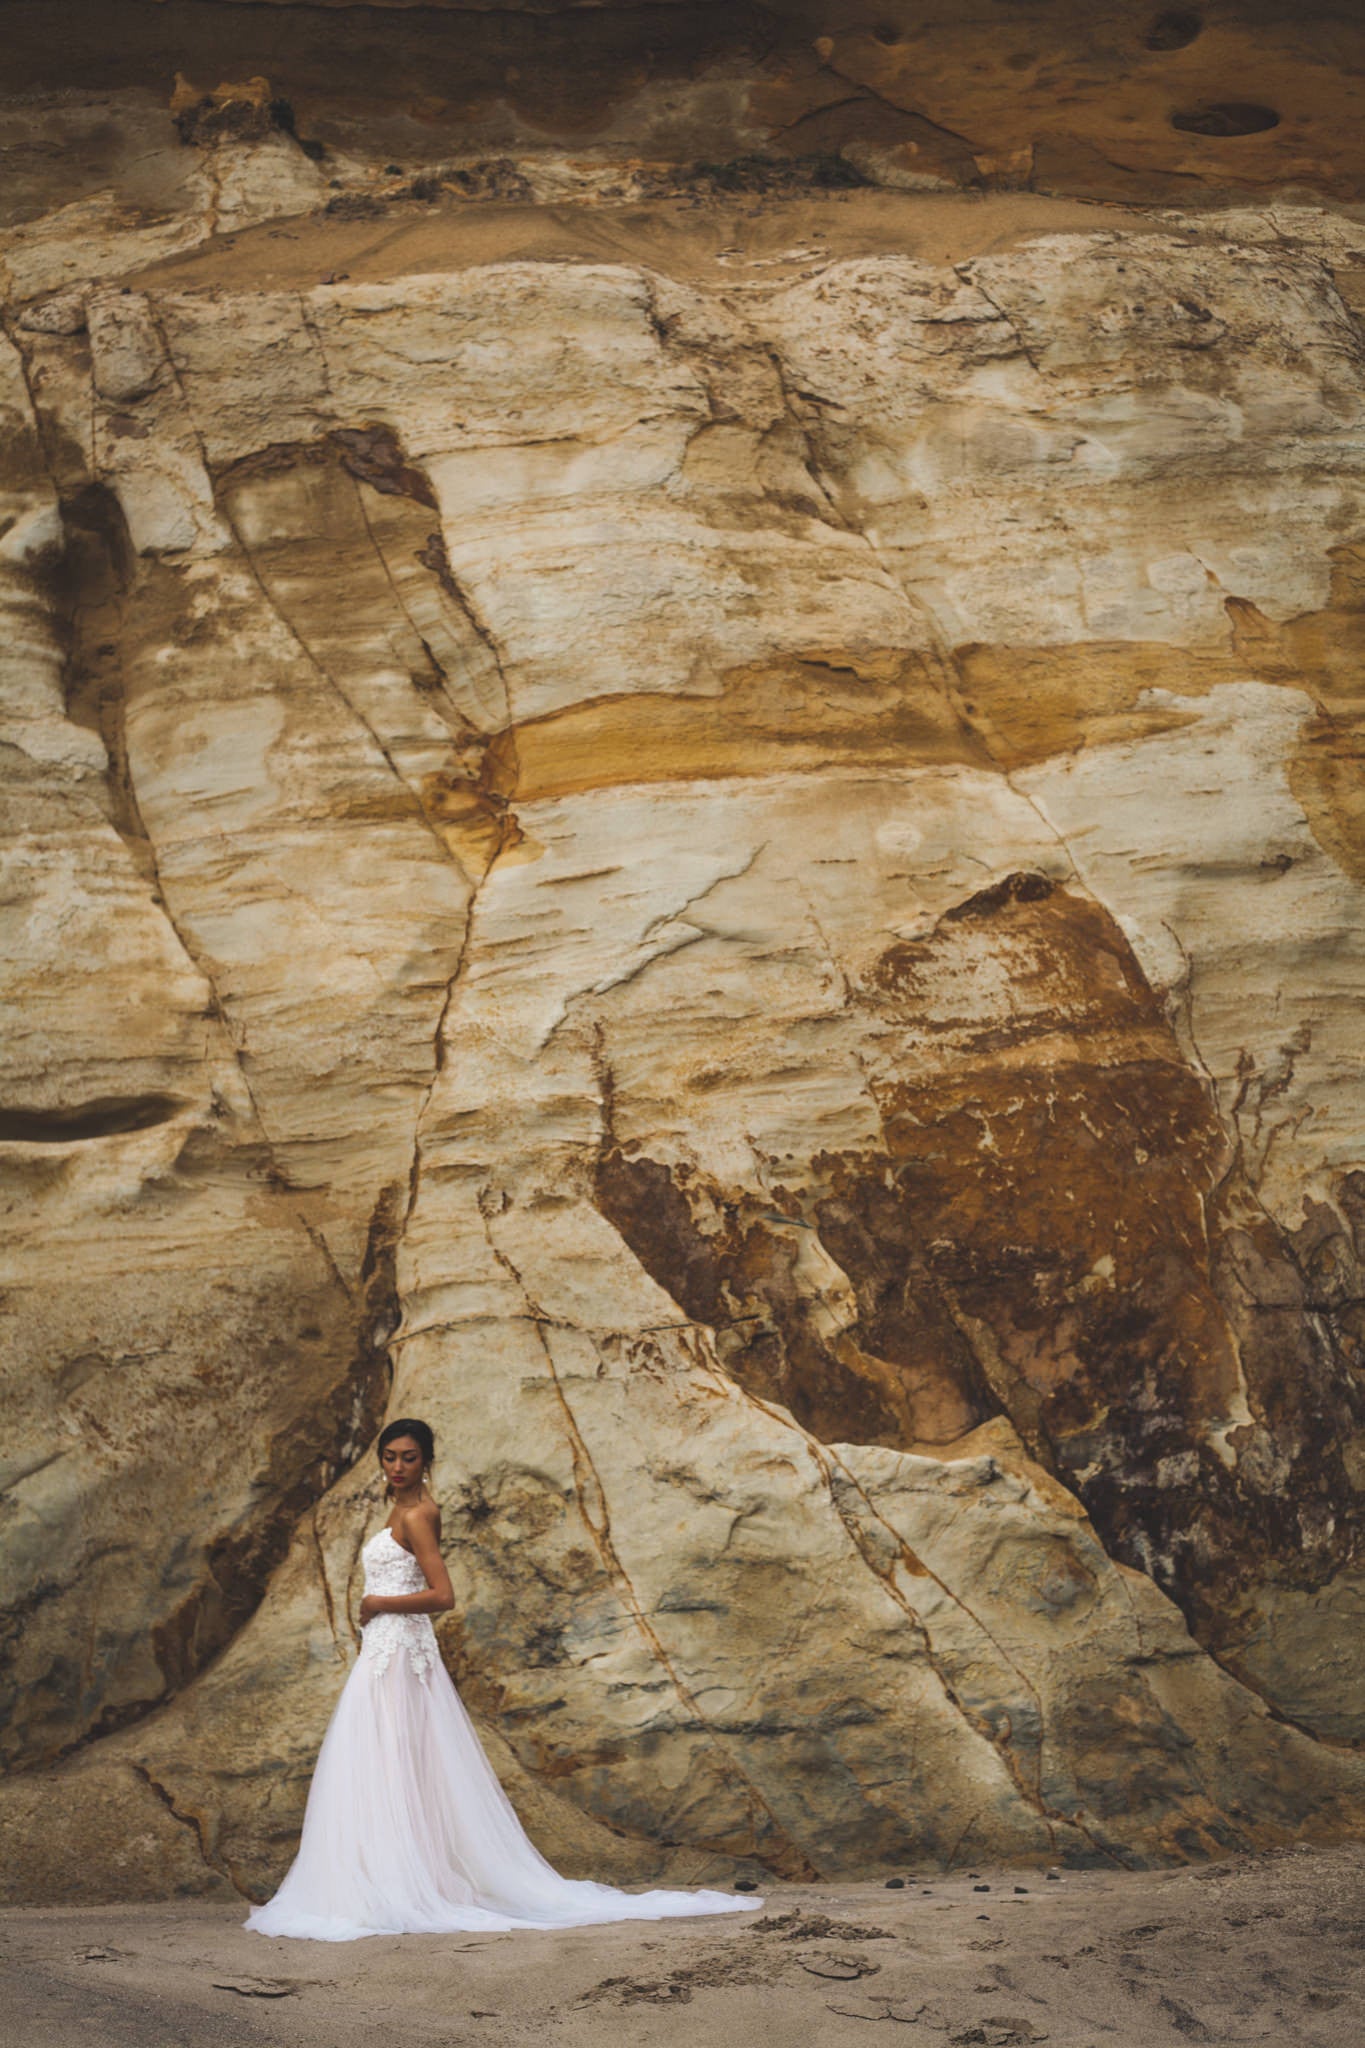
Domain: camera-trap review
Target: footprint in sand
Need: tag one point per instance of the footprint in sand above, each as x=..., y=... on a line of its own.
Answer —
x=257, y=1987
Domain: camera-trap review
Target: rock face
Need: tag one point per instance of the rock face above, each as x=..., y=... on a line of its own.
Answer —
x=705, y=824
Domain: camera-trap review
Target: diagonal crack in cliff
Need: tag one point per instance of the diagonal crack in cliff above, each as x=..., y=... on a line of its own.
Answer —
x=785, y=1856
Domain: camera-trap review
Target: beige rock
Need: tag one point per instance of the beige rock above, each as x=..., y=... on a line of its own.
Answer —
x=742, y=867
x=150, y=1262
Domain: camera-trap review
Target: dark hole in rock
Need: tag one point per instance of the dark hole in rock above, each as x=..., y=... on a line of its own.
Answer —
x=1025, y=885
x=1226, y=117
x=885, y=33
x=354, y=206
x=107, y=1118
x=1174, y=30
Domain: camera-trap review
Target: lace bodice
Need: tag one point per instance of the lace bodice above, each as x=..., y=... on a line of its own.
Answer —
x=390, y=1570
x=407, y=1830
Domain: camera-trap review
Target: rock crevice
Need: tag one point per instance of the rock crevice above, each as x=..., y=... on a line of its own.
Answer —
x=681, y=788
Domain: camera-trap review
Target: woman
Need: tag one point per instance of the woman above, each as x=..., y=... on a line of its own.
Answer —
x=407, y=1830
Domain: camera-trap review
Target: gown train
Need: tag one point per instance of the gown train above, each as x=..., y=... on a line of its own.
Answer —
x=407, y=1829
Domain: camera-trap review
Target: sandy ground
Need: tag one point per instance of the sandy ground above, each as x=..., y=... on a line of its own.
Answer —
x=1268, y=1950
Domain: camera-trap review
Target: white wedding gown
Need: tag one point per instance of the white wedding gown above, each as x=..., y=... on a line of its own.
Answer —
x=407, y=1830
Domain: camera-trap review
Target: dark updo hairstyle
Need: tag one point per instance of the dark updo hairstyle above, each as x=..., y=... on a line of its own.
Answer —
x=420, y=1432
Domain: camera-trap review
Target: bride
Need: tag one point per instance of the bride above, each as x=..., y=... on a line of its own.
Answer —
x=407, y=1830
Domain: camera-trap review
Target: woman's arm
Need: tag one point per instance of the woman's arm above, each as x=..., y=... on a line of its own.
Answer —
x=423, y=1531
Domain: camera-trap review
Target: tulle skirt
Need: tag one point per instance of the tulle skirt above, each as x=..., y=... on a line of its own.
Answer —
x=407, y=1831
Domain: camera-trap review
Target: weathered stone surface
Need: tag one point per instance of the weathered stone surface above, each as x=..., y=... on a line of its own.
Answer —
x=738, y=863
x=1058, y=95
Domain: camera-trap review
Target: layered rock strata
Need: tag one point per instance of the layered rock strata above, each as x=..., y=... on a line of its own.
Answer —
x=736, y=863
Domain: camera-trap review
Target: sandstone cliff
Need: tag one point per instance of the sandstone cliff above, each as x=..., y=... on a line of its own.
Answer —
x=682, y=787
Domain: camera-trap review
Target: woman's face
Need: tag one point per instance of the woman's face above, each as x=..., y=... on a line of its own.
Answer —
x=401, y=1462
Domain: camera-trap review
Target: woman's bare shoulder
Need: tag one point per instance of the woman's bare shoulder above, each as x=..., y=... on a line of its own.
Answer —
x=423, y=1515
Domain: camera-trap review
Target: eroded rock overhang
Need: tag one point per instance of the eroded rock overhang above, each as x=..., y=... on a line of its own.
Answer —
x=684, y=763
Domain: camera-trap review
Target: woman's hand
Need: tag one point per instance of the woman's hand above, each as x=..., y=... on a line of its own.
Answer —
x=369, y=1607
